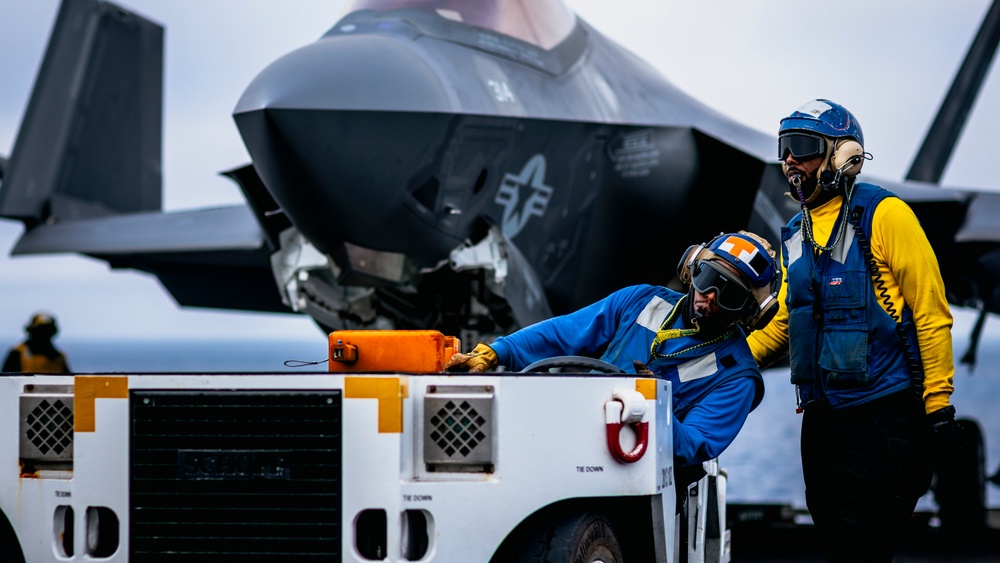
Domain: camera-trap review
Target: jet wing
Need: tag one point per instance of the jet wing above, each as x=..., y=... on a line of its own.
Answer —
x=982, y=222
x=205, y=230
x=214, y=258
x=84, y=175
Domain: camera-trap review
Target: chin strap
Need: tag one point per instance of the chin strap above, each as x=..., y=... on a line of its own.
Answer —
x=832, y=180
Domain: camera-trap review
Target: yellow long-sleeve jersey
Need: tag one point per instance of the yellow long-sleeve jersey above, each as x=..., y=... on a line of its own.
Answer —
x=911, y=274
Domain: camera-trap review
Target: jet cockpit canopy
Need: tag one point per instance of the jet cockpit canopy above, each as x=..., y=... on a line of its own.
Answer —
x=544, y=23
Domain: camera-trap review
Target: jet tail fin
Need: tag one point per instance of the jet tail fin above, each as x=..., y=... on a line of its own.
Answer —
x=90, y=141
x=933, y=156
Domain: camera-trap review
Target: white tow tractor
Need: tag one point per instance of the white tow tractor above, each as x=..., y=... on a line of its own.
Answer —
x=385, y=458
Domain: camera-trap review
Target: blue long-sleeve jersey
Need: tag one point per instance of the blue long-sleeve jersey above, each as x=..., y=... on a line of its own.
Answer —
x=715, y=383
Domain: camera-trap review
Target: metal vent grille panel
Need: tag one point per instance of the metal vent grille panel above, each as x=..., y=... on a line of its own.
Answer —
x=235, y=476
x=47, y=427
x=458, y=428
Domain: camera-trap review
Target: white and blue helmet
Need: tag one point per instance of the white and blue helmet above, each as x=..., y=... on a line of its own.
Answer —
x=827, y=129
x=825, y=118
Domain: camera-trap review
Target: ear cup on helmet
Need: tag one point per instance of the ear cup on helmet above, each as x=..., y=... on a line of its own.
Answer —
x=687, y=259
x=764, y=305
x=767, y=304
x=765, y=312
x=849, y=155
x=694, y=253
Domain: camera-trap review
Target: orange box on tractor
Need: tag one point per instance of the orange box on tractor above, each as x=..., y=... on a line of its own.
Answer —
x=413, y=351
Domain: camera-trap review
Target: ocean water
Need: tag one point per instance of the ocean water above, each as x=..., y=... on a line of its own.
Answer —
x=763, y=462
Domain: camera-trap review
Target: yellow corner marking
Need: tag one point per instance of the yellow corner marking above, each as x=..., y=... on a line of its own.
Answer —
x=88, y=388
x=647, y=387
x=390, y=392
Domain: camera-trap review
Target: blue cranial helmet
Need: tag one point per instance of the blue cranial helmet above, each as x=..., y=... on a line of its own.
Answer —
x=821, y=128
x=751, y=255
x=825, y=118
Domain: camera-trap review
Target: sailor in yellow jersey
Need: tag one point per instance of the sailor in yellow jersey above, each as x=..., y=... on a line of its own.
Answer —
x=870, y=350
x=37, y=354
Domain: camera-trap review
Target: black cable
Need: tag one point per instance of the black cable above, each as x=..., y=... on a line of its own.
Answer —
x=913, y=363
x=302, y=363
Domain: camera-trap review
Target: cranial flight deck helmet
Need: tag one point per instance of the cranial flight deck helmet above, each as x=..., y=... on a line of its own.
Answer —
x=753, y=257
x=822, y=127
x=42, y=324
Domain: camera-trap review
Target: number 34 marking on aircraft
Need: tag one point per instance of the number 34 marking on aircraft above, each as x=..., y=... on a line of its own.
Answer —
x=501, y=91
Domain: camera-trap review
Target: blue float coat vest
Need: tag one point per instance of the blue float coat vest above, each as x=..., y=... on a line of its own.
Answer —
x=624, y=326
x=844, y=348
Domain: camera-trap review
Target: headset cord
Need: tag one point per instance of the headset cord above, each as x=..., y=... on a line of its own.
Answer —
x=807, y=228
x=913, y=364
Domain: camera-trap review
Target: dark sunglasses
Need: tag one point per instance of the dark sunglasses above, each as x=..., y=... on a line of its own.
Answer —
x=803, y=146
x=730, y=294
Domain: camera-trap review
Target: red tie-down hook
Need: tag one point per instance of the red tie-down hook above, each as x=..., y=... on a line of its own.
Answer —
x=626, y=407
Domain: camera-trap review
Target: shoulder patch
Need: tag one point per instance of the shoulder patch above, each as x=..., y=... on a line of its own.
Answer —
x=653, y=315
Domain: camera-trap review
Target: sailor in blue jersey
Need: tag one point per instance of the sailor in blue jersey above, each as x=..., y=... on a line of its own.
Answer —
x=696, y=340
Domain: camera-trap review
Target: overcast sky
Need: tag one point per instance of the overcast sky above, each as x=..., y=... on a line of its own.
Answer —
x=890, y=62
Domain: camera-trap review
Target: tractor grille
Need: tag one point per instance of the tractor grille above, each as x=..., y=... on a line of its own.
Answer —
x=235, y=476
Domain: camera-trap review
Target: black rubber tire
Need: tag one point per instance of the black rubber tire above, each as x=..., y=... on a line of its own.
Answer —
x=960, y=488
x=571, y=364
x=587, y=537
x=10, y=550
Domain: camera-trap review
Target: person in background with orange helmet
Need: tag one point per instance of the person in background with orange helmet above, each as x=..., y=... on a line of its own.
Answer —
x=37, y=354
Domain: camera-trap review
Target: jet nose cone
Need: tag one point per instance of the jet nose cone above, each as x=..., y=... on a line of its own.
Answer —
x=338, y=129
x=342, y=71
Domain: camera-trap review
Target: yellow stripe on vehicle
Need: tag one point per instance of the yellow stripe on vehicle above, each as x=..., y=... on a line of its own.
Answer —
x=87, y=389
x=390, y=392
x=647, y=387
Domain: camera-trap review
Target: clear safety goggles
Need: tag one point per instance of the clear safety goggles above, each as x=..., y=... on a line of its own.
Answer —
x=730, y=293
x=802, y=146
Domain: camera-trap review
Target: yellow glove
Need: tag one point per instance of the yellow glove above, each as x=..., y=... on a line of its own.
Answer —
x=481, y=358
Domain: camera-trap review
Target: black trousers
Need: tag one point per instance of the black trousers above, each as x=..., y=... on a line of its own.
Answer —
x=865, y=467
